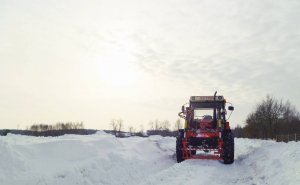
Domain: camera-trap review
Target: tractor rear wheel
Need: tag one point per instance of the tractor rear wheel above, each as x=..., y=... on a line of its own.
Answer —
x=228, y=148
x=179, y=156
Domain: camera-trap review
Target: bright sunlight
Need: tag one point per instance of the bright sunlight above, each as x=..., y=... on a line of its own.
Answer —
x=117, y=71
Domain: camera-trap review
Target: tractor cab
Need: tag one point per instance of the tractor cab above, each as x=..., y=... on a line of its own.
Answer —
x=204, y=111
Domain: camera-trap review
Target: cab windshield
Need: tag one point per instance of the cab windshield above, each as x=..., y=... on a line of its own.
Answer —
x=200, y=114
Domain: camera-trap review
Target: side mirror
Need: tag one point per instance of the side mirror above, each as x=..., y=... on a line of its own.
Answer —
x=182, y=108
x=230, y=108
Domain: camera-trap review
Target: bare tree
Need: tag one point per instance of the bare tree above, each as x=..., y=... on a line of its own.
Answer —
x=165, y=125
x=34, y=127
x=81, y=125
x=157, y=125
x=120, y=125
x=141, y=129
x=131, y=130
x=270, y=118
x=114, y=125
x=151, y=125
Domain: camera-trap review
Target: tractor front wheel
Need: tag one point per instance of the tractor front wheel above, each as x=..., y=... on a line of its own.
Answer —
x=228, y=148
x=179, y=155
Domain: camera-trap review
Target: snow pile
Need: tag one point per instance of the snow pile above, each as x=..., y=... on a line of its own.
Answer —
x=103, y=159
x=71, y=159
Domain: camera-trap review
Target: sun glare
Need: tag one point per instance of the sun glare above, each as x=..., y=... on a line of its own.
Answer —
x=117, y=71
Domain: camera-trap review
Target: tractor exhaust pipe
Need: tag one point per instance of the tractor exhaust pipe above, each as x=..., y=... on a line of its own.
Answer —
x=215, y=114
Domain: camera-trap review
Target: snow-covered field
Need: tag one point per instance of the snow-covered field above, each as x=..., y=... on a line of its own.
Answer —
x=103, y=159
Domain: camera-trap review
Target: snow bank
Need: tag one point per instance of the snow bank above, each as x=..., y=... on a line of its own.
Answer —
x=104, y=159
x=256, y=162
x=72, y=159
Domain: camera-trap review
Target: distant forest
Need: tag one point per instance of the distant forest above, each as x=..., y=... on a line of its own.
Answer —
x=271, y=118
x=52, y=130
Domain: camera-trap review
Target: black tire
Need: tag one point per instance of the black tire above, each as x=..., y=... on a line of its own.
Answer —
x=179, y=156
x=193, y=152
x=228, y=148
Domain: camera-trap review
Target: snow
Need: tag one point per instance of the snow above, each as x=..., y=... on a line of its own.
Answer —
x=104, y=159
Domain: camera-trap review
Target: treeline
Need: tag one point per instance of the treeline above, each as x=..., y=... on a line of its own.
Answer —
x=270, y=118
x=163, y=128
x=48, y=132
x=57, y=126
x=156, y=127
x=57, y=129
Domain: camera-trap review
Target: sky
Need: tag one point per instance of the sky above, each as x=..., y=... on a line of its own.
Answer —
x=137, y=60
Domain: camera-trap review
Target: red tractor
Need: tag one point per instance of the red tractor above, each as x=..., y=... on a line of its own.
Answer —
x=206, y=134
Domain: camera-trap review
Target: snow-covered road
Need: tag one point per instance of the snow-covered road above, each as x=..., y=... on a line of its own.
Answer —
x=103, y=159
